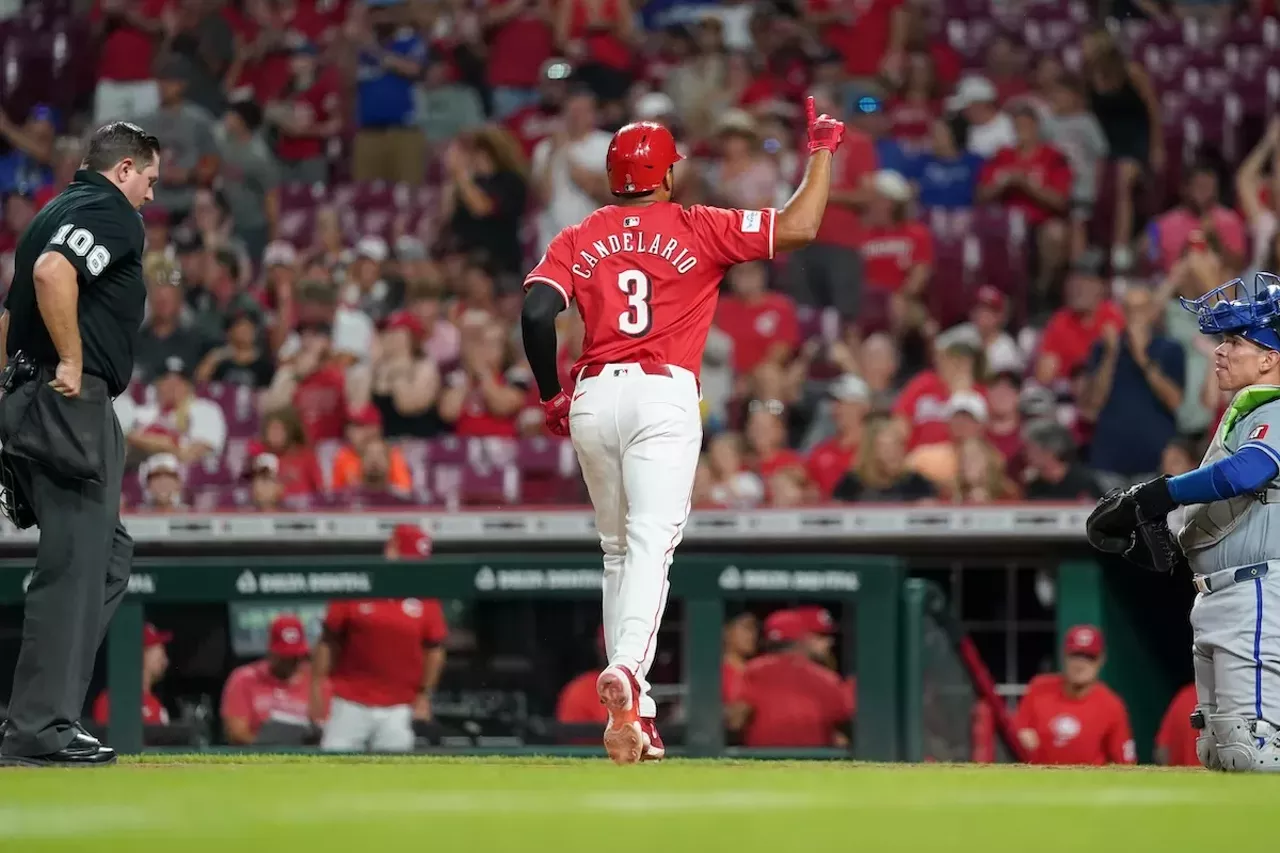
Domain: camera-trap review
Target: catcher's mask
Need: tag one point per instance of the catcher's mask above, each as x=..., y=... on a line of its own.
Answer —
x=1233, y=310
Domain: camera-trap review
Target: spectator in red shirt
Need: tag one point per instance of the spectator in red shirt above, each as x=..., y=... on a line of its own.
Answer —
x=789, y=697
x=1004, y=422
x=284, y=438
x=1176, y=740
x=832, y=458
x=276, y=688
x=598, y=36
x=870, y=35
x=1072, y=331
x=533, y=123
x=384, y=658
x=519, y=40
x=314, y=380
x=767, y=443
x=1006, y=67
x=1071, y=717
x=306, y=115
x=897, y=252
x=738, y=646
x=828, y=272
x=913, y=110
x=921, y=407
x=1034, y=179
x=155, y=662
x=761, y=322
x=130, y=31
x=484, y=395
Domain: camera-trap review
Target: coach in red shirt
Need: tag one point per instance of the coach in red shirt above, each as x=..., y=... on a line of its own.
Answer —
x=384, y=658
x=1034, y=179
x=1176, y=740
x=788, y=698
x=155, y=663
x=1071, y=717
x=278, y=687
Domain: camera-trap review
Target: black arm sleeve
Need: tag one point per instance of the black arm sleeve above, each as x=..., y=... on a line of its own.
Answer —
x=538, y=326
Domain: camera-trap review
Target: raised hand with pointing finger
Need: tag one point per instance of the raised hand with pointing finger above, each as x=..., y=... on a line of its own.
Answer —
x=825, y=133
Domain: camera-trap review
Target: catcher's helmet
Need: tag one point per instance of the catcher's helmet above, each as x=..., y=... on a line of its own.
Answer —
x=639, y=157
x=1232, y=310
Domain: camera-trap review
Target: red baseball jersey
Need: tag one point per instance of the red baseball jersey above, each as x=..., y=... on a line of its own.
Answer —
x=794, y=701
x=254, y=694
x=379, y=655
x=647, y=278
x=1176, y=735
x=1090, y=729
x=579, y=703
x=1043, y=166
x=828, y=463
x=153, y=713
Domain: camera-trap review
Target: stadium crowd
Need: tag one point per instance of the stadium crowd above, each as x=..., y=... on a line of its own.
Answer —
x=351, y=193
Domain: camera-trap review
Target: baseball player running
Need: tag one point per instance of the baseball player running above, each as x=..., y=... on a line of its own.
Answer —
x=646, y=274
x=1231, y=536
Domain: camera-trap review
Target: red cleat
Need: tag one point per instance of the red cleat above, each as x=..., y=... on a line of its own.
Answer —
x=653, y=748
x=620, y=694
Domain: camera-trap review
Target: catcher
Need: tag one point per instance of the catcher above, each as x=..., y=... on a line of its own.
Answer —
x=1231, y=534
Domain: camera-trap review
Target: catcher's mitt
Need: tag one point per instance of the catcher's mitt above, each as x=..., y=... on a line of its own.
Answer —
x=1111, y=524
x=1118, y=526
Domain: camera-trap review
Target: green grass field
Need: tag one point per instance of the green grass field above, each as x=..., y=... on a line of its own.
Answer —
x=237, y=804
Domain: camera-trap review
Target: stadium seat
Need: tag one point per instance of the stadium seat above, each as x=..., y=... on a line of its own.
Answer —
x=239, y=406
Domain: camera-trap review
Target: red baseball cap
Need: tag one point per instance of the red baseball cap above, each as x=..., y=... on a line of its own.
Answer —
x=405, y=320
x=787, y=626
x=411, y=542
x=366, y=415
x=153, y=636
x=991, y=297
x=1084, y=640
x=288, y=637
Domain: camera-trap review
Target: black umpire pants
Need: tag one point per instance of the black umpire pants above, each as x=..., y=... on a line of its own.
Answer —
x=81, y=574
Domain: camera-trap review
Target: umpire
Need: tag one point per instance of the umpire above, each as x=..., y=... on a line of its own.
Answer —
x=70, y=324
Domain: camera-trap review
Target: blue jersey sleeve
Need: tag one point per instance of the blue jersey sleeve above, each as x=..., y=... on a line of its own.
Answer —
x=1247, y=470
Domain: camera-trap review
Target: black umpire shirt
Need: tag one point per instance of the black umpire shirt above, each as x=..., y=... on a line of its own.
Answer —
x=93, y=226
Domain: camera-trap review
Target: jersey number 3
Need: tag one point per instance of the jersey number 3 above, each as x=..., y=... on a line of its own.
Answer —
x=82, y=242
x=636, y=321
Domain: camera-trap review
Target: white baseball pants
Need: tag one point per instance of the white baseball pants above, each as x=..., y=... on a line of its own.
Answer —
x=637, y=436
x=353, y=727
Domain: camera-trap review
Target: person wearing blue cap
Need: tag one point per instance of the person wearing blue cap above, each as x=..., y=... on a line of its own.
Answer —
x=1229, y=535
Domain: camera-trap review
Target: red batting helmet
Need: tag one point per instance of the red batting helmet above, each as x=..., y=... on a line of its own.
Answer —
x=639, y=157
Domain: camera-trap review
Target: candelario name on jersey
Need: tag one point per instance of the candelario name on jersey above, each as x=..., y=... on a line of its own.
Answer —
x=638, y=243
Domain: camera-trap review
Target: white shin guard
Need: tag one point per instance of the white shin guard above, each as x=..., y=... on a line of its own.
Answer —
x=1237, y=741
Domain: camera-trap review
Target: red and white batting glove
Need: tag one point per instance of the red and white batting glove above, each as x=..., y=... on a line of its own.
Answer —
x=825, y=133
x=557, y=413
